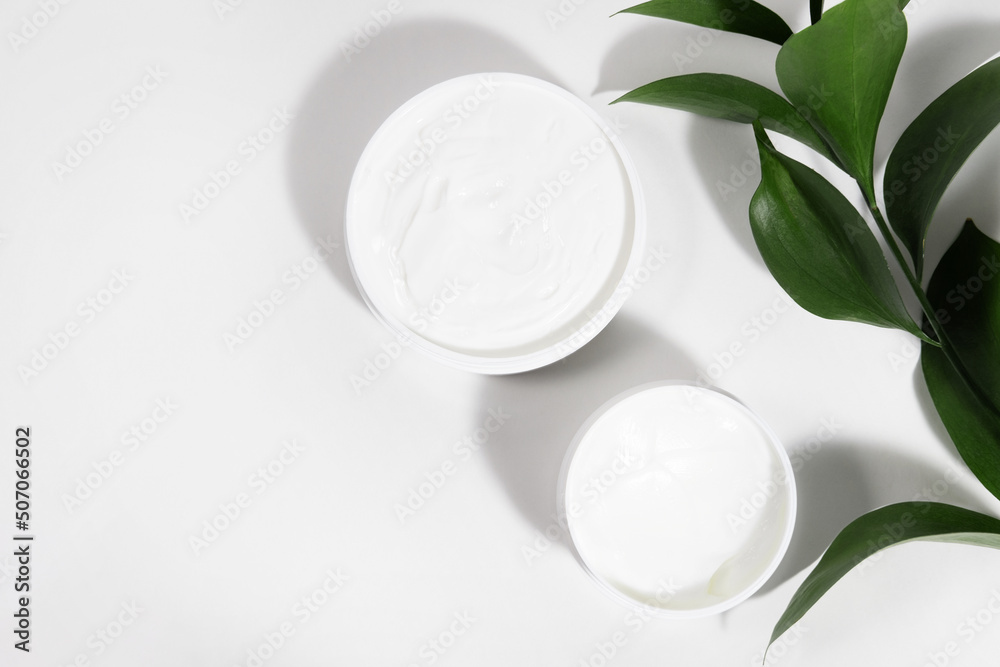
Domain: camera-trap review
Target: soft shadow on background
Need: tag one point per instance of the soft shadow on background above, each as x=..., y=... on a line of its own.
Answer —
x=716, y=147
x=844, y=480
x=642, y=56
x=930, y=66
x=932, y=63
x=835, y=485
x=549, y=405
x=658, y=49
x=725, y=152
x=350, y=100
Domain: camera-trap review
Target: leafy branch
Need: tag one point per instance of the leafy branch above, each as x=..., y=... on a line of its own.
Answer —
x=836, y=76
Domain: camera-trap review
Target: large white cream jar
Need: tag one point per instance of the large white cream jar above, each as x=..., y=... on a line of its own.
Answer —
x=679, y=499
x=493, y=222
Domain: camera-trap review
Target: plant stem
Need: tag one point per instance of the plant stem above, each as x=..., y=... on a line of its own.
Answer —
x=911, y=278
x=944, y=342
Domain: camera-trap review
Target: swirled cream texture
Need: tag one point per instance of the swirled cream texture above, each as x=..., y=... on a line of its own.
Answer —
x=677, y=498
x=491, y=215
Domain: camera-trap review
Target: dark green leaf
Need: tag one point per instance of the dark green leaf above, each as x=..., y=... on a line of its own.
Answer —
x=730, y=98
x=972, y=425
x=965, y=294
x=741, y=16
x=882, y=528
x=818, y=247
x=842, y=69
x=932, y=150
x=815, y=10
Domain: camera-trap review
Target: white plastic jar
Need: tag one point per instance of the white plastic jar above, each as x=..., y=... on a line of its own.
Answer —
x=493, y=222
x=679, y=500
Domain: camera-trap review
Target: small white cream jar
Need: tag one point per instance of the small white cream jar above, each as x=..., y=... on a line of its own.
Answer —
x=679, y=499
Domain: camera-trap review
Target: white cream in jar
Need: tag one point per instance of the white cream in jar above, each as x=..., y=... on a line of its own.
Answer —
x=493, y=216
x=678, y=498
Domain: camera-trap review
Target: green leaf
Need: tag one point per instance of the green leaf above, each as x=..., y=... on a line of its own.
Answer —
x=815, y=10
x=741, y=16
x=965, y=294
x=842, y=69
x=731, y=98
x=932, y=150
x=819, y=248
x=972, y=425
x=880, y=529
x=964, y=377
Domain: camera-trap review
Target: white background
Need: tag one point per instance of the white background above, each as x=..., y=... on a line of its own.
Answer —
x=364, y=448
